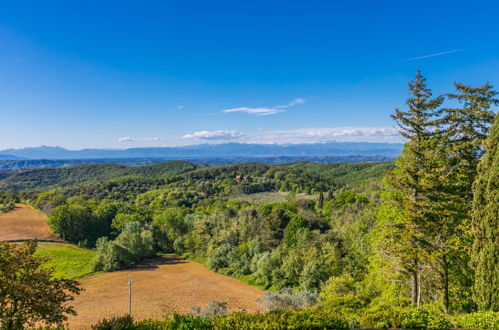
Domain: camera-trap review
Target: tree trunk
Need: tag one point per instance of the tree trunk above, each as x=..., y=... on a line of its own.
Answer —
x=445, y=283
x=415, y=283
x=419, y=289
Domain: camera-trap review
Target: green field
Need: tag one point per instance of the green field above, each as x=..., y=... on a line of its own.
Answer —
x=68, y=261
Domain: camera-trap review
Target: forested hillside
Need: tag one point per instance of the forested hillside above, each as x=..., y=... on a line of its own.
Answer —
x=47, y=178
x=405, y=244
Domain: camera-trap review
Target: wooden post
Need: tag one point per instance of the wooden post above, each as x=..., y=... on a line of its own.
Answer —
x=130, y=295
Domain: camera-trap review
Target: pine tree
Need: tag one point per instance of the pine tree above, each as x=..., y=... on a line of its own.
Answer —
x=468, y=128
x=485, y=251
x=419, y=124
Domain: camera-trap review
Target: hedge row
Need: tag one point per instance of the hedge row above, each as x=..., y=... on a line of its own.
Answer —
x=312, y=318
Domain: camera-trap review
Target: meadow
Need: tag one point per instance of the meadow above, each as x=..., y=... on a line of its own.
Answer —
x=67, y=260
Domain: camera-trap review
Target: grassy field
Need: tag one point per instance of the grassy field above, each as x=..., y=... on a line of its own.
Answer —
x=68, y=261
x=23, y=223
x=161, y=286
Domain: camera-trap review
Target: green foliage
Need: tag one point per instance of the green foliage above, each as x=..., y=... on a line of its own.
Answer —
x=29, y=293
x=215, y=308
x=286, y=299
x=286, y=319
x=82, y=219
x=348, y=197
x=67, y=261
x=46, y=178
x=343, y=293
x=119, y=322
x=485, y=253
x=481, y=320
x=134, y=243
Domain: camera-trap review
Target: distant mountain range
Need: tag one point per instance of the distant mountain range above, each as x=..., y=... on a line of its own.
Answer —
x=211, y=151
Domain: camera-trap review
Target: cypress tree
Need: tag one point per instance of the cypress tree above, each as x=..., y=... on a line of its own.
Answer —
x=320, y=202
x=485, y=215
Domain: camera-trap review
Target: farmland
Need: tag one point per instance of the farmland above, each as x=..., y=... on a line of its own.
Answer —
x=161, y=286
x=24, y=223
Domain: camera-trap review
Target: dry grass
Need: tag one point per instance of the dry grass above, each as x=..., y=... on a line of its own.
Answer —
x=160, y=286
x=23, y=222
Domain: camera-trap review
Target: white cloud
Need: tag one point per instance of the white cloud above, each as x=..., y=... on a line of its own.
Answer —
x=297, y=101
x=214, y=135
x=132, y=139
x=178, y=107
x=303, y=135
x=255, y=111
x=328, y=134
x=266, y=111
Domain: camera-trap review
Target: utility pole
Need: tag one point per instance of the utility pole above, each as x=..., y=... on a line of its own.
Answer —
x=130, y=295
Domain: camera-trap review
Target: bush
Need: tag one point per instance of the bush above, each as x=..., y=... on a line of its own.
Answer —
x=287, y=298
x=214, y=308
x=286, y=319
x=481, y=320
x=424, y=318
x=115, y=323
x=409, y=317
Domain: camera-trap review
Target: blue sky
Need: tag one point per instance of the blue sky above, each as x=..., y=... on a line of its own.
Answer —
x=121, y=74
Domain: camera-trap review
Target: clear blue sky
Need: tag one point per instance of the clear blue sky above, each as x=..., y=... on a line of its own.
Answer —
x=86, y=73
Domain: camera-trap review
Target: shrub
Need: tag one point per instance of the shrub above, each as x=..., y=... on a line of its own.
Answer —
x=285, y=319
x=119, y=322
x=409, y=317
x=287, y=298
x=214, y=308
x=481, y=320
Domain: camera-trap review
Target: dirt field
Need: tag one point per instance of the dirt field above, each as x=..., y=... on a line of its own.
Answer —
x=160, y=286
x=24, y=222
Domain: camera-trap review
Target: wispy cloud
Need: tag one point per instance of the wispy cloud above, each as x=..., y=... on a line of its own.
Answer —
x=303, y=135
x=178, y=107
x=266, y=111
x=255, y=111
x=328, y=134
x=215, y=135
x=132, y=139
x=433, y=55
x=297, y=101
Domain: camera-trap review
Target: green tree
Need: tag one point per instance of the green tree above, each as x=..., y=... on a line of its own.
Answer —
x=419, y=126
x=468, y=129
x=28, y=292
x=320, y=202
x=485, y=251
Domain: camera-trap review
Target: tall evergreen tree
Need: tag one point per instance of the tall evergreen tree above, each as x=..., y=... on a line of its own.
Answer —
x=418, y=125
x=485, y=251
x=468, y=128
x=320, y=202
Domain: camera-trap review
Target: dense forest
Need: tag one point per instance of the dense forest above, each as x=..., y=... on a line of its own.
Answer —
x=361, y=239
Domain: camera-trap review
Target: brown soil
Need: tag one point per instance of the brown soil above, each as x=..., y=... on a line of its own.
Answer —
x=22, y=223
x=160, y=286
